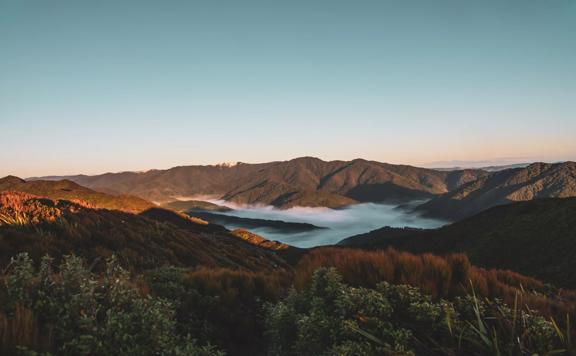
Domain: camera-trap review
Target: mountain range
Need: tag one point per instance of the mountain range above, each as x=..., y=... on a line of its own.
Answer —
x=305, y=181
x=538, y=180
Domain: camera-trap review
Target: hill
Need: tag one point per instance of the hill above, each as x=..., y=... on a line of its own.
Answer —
x=158, y=237
x=250, y=223
x=536, y=238
x=186, y=205
x=68, y=190
x=538, y=180
x=258, y=240
x=302, y=181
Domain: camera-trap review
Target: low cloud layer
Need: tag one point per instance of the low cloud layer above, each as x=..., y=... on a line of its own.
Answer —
x=341, y=223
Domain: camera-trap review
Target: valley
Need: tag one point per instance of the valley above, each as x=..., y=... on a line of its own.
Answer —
x=311, y=227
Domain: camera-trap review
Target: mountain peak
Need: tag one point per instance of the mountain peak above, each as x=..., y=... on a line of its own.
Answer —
x=11, y=180
x=227, y=164
x=306, y=159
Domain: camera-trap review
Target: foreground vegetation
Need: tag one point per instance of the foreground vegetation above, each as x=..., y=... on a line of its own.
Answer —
x=69, y=310
x=331, y=318
x=75, y=312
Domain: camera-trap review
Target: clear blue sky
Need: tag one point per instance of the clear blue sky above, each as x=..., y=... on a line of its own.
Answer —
x=92, y=86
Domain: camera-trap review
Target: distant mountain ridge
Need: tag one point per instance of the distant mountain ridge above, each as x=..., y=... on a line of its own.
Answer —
x=305, y=181
x=68, y=190
x=492, y=168
x=538, y=180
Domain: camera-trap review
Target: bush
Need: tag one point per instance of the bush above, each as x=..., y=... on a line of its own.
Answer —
x=221, y=305
x=80, y=313
x=441, y=277
x=329, y=317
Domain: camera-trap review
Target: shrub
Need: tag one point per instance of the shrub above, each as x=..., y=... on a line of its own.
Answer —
x=221, y=305
x=329, y=317
x=81, y=313
x=323, y=319
x=441, y=277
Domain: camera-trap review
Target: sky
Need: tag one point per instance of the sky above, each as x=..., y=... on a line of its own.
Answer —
x=114, y=85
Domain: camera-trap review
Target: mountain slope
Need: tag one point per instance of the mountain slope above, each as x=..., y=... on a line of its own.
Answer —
x=185, y=205
x=302, y=181
x=536, y=238
x=42, y=226
x=538, y=180
x=251, y=223
x=68, y=190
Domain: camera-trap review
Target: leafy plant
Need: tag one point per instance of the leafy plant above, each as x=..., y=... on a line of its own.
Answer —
x=83, y=313
x=330, y=317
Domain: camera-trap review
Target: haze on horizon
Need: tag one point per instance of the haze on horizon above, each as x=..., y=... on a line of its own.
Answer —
x=92, y=87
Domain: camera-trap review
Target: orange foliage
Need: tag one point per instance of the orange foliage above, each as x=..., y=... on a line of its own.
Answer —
x=230, y=284
x=441, y=277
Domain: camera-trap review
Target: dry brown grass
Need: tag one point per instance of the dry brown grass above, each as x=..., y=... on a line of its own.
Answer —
x=441, y=277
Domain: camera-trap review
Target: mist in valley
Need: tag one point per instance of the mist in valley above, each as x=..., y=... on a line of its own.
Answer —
x=338, y=223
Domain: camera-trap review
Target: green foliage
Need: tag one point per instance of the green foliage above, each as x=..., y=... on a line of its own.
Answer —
x=220, y=305
x=439, y=276
x=96, y=315
x=329, y=317
x=324, y=318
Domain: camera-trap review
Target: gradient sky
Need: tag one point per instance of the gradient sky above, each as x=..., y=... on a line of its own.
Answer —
x=92, y=86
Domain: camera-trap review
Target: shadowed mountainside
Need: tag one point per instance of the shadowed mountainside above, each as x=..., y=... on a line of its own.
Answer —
x=185, y=205
x=279, y=225
x=538, y=180
x=303, y=181
x=68, y=190
x=42, y=226
x=536, y=238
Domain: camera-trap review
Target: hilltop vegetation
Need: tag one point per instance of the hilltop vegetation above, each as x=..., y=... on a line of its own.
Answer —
x=68, y=190
x=536, y=238
x=42, y=226
x=258, y=240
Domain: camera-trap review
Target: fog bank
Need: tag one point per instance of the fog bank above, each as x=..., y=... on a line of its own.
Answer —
x=340, y=223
